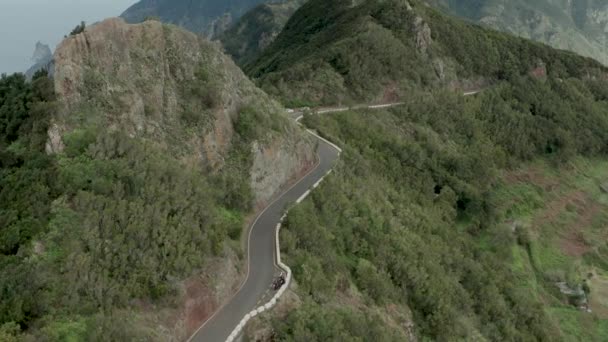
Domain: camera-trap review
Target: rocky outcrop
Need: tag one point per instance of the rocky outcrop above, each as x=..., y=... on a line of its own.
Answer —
x=42, y=53
x=41, y=59
x=277, y=160
x=173, y=89
x=423, y=35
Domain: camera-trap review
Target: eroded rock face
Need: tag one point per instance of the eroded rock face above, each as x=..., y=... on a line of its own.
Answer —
x=423, y=35
x=145, y=79
x=276, y=160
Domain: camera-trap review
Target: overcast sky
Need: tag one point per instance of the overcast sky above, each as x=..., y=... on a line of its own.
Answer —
x=24, y=22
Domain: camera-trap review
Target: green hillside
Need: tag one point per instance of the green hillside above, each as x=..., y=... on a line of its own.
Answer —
x=423, y=233
x=433, y=226
x=379, y=50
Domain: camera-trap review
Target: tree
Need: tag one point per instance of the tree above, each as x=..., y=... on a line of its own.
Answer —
x=78, y=29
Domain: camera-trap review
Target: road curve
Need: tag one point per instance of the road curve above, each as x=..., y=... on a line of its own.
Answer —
x=261, y=250
x=262, y=240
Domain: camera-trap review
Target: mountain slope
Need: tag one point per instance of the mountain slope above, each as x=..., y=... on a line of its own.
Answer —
x=252, y=33
x=377, y=50
x=129, y=226
x=431, y=228
x=208, y=17
x=580, y=25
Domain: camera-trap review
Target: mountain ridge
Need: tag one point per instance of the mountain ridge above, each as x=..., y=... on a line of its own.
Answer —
x=362, y=53
x=580, y=25
x=209, y=17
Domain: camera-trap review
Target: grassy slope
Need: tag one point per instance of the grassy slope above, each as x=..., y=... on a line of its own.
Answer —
x=564, y=214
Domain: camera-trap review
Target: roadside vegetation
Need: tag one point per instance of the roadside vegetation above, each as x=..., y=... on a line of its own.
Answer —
x=423, y=221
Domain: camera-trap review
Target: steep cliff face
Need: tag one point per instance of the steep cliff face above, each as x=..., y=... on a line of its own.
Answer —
x=176, y=90
x=577, y=25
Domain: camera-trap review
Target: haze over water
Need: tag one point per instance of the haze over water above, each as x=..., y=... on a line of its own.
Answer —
x=24, y=22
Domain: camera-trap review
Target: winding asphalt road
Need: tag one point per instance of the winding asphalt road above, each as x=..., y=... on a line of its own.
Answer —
x=261, y=249
x=262, y=241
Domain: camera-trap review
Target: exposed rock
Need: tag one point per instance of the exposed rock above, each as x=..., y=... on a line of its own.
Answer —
x=604, y=187
x=137, y=79
x=54, y=144
x=576, y=296
x=423, y=35
x=277, y=160
x=439, y=68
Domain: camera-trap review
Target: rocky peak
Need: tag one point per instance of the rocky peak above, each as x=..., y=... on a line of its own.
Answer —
x=42, y=53
x=41, y=59
x=174, y=89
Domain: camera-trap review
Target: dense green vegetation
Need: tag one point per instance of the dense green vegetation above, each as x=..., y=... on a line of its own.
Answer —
x=379, y=50
x=412, y=220
x=78, y=29
x=109, y=220
x=26, y=192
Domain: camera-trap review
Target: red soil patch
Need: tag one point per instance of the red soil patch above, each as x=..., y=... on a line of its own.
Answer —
x=557, y=206
x=199, y=304
x=539, y=72
x=532, y=175
x=573, y=242
x=391, y=93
